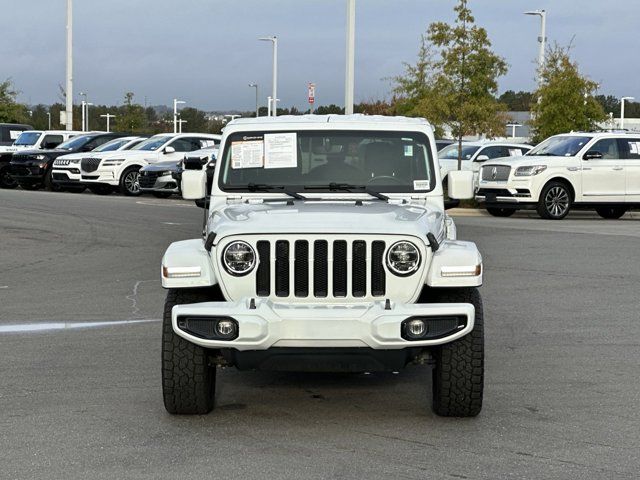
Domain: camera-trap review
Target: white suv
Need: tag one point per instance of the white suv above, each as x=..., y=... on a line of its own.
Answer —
x=120, y=169
x=598, y=171
x=474, y=154
x=298, y=270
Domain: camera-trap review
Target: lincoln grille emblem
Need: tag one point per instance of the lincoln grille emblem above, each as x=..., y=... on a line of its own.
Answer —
x=494, y=173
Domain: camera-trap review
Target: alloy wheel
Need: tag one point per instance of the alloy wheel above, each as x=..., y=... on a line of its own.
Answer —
x=557, y=201
x=131, y=182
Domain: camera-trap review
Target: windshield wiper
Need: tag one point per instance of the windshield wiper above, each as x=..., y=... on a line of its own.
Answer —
x=263, y=187
x=347, y=187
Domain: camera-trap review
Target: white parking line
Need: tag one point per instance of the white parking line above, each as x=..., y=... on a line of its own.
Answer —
x=50, y=326
x=164, y=204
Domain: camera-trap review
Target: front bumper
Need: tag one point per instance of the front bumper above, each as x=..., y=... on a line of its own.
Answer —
x=100, y=177
x=27, y=173
x=264, y=324
x=66, y=176
x=164, y=183
x=502, y=195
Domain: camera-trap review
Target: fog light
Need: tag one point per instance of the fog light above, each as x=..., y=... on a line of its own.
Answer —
x=226, y=328
x=416, y=328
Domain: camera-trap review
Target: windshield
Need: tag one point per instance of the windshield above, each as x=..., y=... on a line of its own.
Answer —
x=153, y=143
x=27, y=138
x=560, y=146
x=74, y=143
x=451, y=152
x=323, y=160
x=112, y=145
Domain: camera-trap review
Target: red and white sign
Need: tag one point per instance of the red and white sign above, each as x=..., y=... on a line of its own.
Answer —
x=312, y=93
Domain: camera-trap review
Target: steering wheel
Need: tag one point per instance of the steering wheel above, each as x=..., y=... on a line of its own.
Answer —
x=385, y=177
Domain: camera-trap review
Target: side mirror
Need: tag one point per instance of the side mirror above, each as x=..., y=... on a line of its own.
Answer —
x=194, y=184
x=169, y=150
x=592, y=155
x=482, y=158
x=461, y=184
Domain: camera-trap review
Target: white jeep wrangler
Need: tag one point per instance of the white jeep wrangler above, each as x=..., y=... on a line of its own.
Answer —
x=325, y=247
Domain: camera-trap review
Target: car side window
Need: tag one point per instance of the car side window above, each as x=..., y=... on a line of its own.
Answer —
x=608, y=147
x=52, y=140
x=494, y=152
x=630, y=147
x=183, y=145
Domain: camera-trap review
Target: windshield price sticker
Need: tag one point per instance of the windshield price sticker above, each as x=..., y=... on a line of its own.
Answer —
x=248, y=154
x=421, y=185
x=280, y=150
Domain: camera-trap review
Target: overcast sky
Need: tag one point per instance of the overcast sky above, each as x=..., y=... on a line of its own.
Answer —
x=206, y=51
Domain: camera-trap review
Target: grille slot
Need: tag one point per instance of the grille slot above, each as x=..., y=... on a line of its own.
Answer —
x=263, y=274
x=378, y=279
x=320, y=268
x=496, y=173
x=359, y=269
x=90, y=164
x=301, y=268
x=282, y=268
x=340, y=268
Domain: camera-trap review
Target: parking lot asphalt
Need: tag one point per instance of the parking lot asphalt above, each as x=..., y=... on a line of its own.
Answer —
x=562, y=350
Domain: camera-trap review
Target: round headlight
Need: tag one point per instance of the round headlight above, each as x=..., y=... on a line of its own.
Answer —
x=403, y=258
x=239, y=258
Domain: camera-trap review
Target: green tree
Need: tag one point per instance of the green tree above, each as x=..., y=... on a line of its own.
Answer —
x=10, y=110
x=455, y=81
x=131, y=116
x=566, y=100
x=517, y=101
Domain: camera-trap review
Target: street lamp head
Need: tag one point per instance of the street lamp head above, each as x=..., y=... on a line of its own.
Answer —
x=253, y=84
x=535, y=12
x=268, y=39
x=627, y=98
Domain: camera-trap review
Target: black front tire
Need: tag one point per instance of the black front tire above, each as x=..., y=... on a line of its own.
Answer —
x=555, y=201
x=188, y=379
x=129, y=184
x=501, y=212
x=611, y=213
x=6, y=180
x=458, y=376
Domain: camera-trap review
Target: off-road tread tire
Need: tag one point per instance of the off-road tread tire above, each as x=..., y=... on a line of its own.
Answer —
x=611, y=213
x=188, y=380
x=501, y=211
x=458, y=376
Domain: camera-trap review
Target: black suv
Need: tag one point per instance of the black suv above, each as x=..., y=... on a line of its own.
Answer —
x=32, y=168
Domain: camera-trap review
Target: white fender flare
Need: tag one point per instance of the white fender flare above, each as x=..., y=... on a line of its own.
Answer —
x=456, y=264
x=187, y=264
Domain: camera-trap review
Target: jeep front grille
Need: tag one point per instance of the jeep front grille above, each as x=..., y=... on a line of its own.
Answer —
x=321, y=268
x=90, y=164
x=495, y=173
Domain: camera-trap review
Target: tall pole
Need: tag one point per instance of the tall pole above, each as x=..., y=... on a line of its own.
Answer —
x=83, y=119
x=542, y=40
x=86, y=115
x=255, y=85
x=49, y=119
x=269, y=106
x=108, y=116
x=69, y=88
x=274, y=92
x=175, y=114
x=350, y=57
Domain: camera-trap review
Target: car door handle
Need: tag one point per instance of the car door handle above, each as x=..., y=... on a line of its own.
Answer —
x=618, y=168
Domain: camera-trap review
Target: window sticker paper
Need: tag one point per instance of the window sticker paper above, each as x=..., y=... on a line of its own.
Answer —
x=280, y=150
x=421, y=185
x=248, y=154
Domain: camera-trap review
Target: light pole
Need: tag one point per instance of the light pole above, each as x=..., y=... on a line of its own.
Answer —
x=350, y=57
x=268, y=106
x=622, y=100
x=86, y=113
x=175, y=114
x=69, y=89
x=83, y=105
x=108, y=116
x=542, y=39
x=49, y=119
x=255, y=85
x=180, y=122
x=274, y=93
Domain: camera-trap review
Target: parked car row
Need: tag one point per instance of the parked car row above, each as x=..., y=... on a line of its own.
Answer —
x=101, y=161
